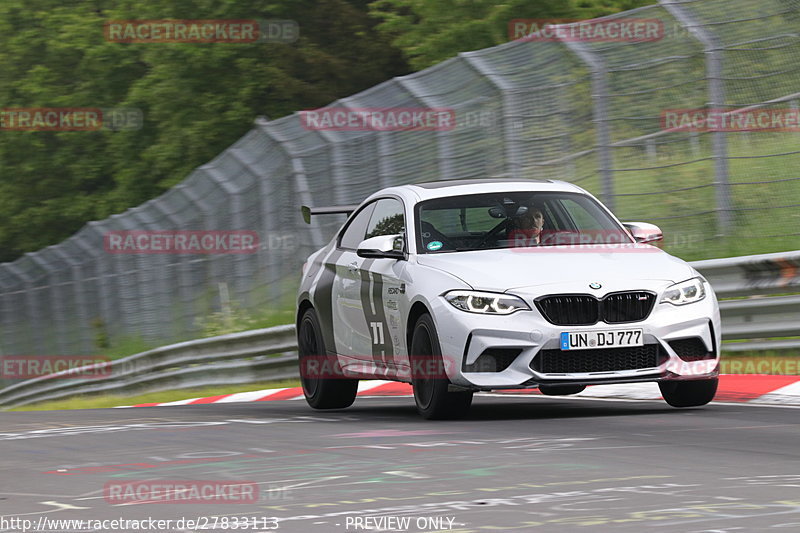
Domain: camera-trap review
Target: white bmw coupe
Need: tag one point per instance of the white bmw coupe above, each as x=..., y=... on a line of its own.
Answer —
x=478, y=285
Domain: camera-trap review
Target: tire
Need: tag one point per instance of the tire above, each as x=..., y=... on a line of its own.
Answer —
x=430, y=385
x=335, y=392
x=688, y=393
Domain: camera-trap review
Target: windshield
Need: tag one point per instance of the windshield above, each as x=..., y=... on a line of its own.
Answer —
x=513, y=219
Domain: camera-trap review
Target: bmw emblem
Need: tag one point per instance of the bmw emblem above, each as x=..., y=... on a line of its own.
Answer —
x=594, y=285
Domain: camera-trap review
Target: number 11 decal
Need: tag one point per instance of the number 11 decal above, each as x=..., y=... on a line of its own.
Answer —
x=377, y=332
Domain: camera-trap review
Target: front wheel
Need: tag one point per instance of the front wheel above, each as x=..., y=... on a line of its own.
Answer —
x=428, y=377
x=324, y=384
x=692, y=393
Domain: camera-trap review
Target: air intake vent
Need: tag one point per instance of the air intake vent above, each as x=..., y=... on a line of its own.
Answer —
x=493, y=360
x=599, y=360
x=691, y=349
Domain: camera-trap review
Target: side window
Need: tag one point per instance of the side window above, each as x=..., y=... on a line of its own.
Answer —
x=354, y=233
x=387, y=218
x=585, y=214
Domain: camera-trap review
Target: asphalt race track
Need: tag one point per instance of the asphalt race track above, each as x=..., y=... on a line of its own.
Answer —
x=517, y=464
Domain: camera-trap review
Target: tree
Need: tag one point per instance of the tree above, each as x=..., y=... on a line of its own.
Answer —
x=430, y=32
x=196, y=99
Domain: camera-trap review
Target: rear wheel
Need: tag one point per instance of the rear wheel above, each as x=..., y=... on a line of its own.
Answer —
x=324, y=385
x=688, y=393
x=429, y=380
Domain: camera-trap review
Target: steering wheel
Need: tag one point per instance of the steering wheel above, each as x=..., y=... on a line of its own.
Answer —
x=493, y=233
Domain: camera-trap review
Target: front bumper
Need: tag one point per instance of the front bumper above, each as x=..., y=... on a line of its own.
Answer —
x=464, y=337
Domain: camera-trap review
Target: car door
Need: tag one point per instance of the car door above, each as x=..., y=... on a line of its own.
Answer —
x=348, y=314
x=383, y=291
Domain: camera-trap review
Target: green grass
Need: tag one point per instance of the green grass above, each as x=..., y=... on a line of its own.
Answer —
x=760, y=223
x=125, y=346
x=112, y=400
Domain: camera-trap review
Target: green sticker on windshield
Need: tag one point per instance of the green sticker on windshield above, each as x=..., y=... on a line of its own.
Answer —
x=434, y=245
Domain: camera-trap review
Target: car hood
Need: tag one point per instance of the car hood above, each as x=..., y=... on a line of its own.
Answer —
x=507, y=269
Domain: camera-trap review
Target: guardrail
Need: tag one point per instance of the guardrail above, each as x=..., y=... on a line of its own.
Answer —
x=761, y=320
x=271, y=354
x=246, y=357
x=752, y=275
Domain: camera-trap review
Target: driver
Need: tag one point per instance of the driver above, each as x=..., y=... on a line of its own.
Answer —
x=526, y=228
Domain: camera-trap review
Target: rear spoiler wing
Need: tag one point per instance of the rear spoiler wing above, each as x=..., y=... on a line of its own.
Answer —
x=334, y=210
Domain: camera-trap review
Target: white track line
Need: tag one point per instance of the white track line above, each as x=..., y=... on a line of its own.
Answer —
x=179, y=402
x=790, y=394
x=249, y=396
x=368, y=385
x=632, y=391
x=787, y=396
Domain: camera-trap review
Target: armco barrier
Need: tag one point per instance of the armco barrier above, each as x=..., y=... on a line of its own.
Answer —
x=245, y=357
x=752, y=275
x=761, y=322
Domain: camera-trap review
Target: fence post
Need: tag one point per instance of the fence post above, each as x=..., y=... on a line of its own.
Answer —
x=135, y=282
x=50, y=295
x=233, y=262
x=79, y=293
x=300, y=182
x=510, y=137
x=172, y=273
x=267, y=260
x=716, y=94
x=7, y=310
x=443, y=140
x=106, y=304
x=333, y=142
x=29, y=310
x=599, y=71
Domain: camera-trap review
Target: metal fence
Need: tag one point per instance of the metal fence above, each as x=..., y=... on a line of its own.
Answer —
x=588, y=112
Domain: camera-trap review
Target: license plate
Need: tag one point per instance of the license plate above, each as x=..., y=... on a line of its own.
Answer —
x=588, y=340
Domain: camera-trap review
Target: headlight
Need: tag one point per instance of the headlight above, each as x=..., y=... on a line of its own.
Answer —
x=487, y=303
x=685, y=292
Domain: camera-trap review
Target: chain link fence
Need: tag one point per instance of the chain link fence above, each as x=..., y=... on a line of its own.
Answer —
x=585, y=111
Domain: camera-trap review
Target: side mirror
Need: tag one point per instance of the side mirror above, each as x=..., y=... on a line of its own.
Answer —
x=382, y=246
x=643, y=232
